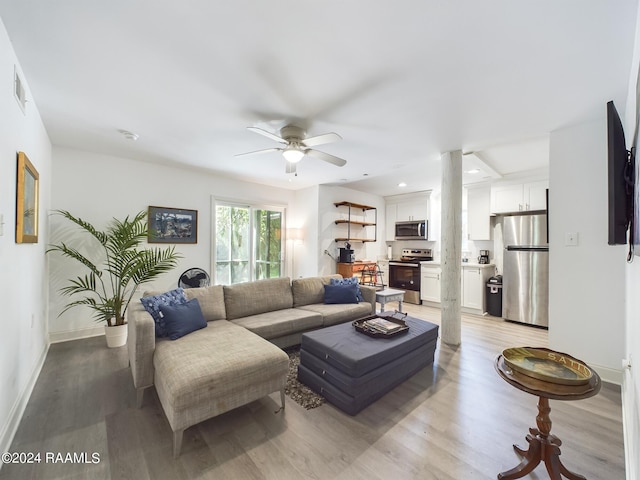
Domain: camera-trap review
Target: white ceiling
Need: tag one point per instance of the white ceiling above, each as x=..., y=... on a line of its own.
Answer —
x=401, y=81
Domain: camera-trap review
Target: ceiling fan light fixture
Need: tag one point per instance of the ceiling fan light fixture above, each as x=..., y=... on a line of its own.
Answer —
x=292, y=154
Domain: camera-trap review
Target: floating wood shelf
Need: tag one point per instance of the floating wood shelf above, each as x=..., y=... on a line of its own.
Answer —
x=349, y=221
x=355, y=222
x=354, y=205
x=363, y=240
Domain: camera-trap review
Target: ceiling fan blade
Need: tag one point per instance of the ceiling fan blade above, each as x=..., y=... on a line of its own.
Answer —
x=270, y=135
x=290, y=167
x=320, y=139
x=256, y=152
x=326, y=157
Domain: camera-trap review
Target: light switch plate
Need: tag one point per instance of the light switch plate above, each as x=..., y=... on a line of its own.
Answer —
x=571, y=239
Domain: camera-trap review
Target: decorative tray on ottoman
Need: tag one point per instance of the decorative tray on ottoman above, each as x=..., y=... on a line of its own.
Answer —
x=547, y=365
x=382, y=327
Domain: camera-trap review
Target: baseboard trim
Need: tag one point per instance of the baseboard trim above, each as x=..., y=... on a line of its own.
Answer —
x=609, y=375
x=19, y=406
x=68, y=335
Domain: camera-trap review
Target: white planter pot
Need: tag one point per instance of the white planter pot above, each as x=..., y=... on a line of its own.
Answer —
x=116, y=335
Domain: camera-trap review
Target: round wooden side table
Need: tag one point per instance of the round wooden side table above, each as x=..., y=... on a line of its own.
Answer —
x=543, y=446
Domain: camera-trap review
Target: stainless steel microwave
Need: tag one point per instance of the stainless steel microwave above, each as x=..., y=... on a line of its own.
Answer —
x=412, y=230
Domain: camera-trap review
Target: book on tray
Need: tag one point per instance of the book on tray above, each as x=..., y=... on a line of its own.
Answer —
x=382, y=325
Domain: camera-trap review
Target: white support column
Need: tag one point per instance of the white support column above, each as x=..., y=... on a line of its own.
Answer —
x=451, y=247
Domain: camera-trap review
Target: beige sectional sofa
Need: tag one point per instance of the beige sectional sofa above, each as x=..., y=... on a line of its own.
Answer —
x=235, y=359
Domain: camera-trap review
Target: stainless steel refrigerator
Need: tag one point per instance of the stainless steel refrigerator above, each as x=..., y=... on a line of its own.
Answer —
x=525, y=275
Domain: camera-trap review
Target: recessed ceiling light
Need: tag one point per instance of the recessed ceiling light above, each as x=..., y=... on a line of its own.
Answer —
x=402, y=184
x=129, y=135
x=473, y=171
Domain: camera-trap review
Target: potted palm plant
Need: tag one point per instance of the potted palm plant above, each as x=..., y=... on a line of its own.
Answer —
x=120, y=266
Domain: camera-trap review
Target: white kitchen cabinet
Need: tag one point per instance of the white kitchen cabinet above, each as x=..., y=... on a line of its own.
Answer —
x=506, y=198
x=519, y=197
x=479, y=213
x=474, y=280
x=472, y=288
x=430, y=283
x=416, y=209
x=412, y=206
x=536, y=194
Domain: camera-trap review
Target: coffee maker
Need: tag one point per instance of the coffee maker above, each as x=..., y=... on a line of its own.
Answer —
x=483, y=259
x=346, y=254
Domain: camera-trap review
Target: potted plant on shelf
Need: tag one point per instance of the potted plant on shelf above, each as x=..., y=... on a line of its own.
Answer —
x=120, y=266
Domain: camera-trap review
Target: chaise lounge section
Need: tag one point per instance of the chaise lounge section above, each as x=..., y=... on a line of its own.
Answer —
x=236, y=358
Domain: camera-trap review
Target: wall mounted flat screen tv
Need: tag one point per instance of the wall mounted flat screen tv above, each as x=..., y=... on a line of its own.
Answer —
x=620, y=179
x=634, y=228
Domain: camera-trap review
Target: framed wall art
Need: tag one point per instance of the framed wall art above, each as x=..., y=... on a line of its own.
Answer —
x=27, y=201
x=172, y=225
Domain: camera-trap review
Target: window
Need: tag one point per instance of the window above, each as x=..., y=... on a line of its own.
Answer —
x=248, y=243
x=268, y=251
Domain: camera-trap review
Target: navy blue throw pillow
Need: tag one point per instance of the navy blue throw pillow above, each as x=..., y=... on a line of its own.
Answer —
x=348, y=281
x=341, y=293
x=152, y=305
x=182, y=319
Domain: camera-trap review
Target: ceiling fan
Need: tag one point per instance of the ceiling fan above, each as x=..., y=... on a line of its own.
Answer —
x=297, y=146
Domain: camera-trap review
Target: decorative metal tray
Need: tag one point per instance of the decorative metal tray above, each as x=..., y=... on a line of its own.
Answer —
x=547, y=365
x=373, y=325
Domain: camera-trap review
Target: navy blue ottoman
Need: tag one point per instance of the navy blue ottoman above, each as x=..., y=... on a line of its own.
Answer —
x=352, y=370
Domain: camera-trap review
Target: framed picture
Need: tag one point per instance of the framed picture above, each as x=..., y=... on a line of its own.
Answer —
x=172, y=225
x=27, y=201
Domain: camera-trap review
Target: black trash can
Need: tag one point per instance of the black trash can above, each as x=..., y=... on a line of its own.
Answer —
x=494, y=296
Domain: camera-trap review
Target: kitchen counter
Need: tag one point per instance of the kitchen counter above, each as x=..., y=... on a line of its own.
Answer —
x=462, y=264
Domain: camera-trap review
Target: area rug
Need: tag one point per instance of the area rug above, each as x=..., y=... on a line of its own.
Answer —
x=295, y=390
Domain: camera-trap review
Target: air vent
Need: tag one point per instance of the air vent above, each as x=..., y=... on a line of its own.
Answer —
x=18, y=90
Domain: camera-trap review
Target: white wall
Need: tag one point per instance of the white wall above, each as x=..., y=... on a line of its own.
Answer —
x=327, y=229
x=98, y=187
x=304, y=215
x=593, y=300
x=586, y=282
x=313, y=211
x=23, y=292
x=631, y=380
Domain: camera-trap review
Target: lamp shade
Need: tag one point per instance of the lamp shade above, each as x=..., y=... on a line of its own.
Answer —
x=295, y=234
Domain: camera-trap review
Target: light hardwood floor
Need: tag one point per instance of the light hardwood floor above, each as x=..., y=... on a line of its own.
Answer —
x=456, y=420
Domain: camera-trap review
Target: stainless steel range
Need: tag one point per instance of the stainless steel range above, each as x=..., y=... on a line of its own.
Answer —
x=404, y=272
